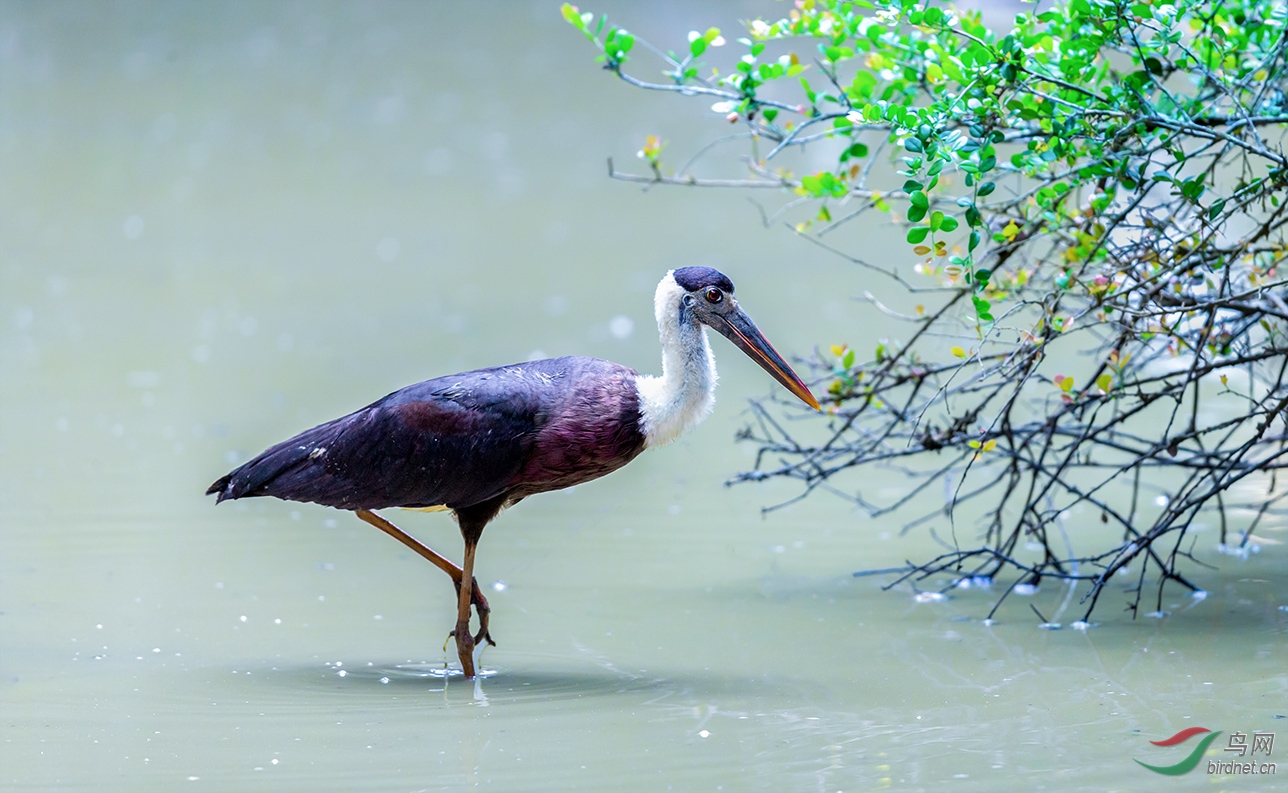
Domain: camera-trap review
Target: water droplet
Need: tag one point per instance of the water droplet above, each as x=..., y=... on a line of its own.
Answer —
x=390, y=109
x=438, y=162
x=494, y=145
x=388, y=249
x=621, y=326
x=133, y=227
x=556, y=305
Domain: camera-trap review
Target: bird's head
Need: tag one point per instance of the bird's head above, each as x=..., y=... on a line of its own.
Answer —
x=705, y=295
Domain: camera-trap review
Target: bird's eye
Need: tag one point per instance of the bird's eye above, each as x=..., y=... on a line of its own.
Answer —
x=714, y=295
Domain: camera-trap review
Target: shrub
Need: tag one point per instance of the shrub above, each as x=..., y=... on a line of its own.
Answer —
x=1095, y=319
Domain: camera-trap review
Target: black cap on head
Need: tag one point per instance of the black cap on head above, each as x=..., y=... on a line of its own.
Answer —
x=695, y=278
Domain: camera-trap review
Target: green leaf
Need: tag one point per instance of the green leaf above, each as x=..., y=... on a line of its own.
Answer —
x=949, y=223
x=985, y=189
x=917, y=234
x=697, y=46
x=916, y=213
x=571, y=14
x=936, y=218
x=848, y=359
x=919, y=199
x=913, y=145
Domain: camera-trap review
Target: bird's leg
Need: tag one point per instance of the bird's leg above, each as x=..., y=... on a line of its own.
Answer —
x=472, y=520
x=439, y=561
x=464, y=641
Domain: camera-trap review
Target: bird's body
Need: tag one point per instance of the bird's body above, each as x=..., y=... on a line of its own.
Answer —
x=509, y=431
x=479, y=441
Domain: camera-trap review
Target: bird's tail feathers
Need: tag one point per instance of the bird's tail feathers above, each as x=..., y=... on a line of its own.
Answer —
x=255, y=477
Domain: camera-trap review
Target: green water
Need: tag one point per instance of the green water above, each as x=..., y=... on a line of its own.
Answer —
x=222, y=224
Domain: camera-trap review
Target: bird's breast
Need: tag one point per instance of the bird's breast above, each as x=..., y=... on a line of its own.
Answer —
x=592, y=431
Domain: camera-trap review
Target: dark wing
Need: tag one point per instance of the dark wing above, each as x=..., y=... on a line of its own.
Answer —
x=453, y=441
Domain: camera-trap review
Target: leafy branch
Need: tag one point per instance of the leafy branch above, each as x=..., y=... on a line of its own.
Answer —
x=1094, y=204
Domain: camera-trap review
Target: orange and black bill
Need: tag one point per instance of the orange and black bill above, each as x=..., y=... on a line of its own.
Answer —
x=740, y=330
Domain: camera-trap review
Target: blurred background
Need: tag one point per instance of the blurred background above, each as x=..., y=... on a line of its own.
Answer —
x=223, y=223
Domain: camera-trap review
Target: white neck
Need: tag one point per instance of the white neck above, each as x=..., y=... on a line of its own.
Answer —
x=685, y=393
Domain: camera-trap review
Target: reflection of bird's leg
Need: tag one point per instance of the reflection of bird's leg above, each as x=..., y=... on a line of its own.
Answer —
x=442, y=563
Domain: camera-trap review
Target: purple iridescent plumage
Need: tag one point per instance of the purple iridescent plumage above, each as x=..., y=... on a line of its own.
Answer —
x=456, y=441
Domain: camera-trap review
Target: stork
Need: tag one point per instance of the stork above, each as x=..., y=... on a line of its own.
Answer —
x=477, y=442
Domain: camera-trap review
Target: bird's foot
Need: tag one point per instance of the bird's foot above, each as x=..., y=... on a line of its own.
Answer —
x=484, y=610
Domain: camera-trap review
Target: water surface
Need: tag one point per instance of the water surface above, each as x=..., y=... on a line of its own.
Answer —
x=221, y=225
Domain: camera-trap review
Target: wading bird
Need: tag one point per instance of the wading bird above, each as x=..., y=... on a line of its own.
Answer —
x=477, y=442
